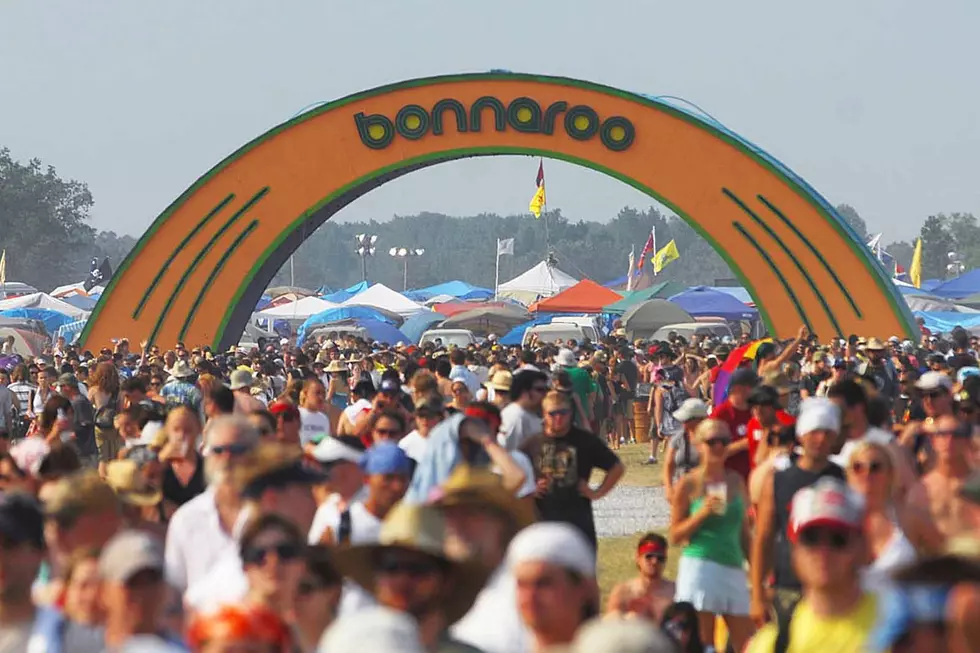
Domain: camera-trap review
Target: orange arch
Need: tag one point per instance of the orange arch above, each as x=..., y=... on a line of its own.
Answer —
x=199, y=270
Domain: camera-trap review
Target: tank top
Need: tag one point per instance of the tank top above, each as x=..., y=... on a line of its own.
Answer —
x=786, y=483
x=720, y=537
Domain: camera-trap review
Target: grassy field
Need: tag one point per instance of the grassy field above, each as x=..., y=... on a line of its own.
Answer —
x=637, y=473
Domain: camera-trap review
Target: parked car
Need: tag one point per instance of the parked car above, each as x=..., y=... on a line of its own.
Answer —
x=554, y=332
x=688, y=329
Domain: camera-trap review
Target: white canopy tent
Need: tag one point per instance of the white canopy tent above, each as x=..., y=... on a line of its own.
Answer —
x=381, y=296
x=300, y=309
x=540, y=281
x=43, y=300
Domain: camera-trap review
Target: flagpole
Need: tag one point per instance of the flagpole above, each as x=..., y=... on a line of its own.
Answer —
x=496, y=275
x=653, y=234
x=629, y=273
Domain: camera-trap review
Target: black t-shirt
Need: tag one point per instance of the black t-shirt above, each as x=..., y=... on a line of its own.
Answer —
x=631, y=372
x=177, y=492
x=84, y=426
x=812, y=381
x=566, y=461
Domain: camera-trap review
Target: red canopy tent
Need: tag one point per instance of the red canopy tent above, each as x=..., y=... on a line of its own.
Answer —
x=584, y=297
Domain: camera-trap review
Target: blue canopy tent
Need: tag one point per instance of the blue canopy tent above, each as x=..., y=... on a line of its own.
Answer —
x=738, y=292
x=703, y=301
x=930, y=284
x=418, y=324
x=342, y=296
x=264, y=301
x=52, y=320
x=382, y=331
x=516, y=335
x=342, y=314
x=964, y=285
x=946, y=321
x=457, y=289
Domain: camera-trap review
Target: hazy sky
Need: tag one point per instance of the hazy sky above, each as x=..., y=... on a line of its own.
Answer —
x=874, y=102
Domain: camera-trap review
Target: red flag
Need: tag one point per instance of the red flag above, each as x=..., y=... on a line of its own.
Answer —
x=540, y=178
x=647, y=249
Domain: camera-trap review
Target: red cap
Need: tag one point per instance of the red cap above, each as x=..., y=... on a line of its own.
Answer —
x=284, y=408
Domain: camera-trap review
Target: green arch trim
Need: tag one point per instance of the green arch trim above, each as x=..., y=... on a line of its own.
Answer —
x=797, y=186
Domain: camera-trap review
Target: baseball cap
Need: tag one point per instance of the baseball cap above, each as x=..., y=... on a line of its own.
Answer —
x=333, y=450
x=68, y=379
x=21, y=519
x=386, y=458
x=620, y=636
x=555, y=543
x=284, y=408
x=241, y=379
x=390, y=387
x=931, y=381
x=818, y=414
x=744, y=377
x=692, y=408
x=128, y=553
x=828, y=502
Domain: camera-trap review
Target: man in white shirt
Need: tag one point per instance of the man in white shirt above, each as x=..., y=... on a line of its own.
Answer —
x=459, y=371
x=521, y=418
x=341, y=461
x=481, y=520
x=203, y=530
x=272, y=478
x=429, y=411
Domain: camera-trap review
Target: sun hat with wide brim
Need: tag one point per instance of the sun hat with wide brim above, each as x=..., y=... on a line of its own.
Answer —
x=481, y=488
x=336, y=365
x=419, y=528
x=126, y=478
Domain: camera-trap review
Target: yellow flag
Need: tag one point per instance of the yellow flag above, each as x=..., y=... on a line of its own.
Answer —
x=3, y=267
x=915, y=270
x=666, y=254
x=538, y=201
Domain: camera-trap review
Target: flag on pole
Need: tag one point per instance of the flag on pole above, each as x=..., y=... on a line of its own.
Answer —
x=629, y=273
x=538, y=201
x=915, y=270
x=664, y=256
x=505, y=246
x=3, y=267
x=648, y=247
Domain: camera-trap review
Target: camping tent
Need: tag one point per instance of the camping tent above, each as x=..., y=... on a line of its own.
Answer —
x=381, y=296
x=42, y=300
x=661, y=290
x=52, y=320
x=342, y=296
x=278, y=291
x=487, y=319
x=540, y=281
x=738, y=292
x=418, y=324
x=456, y=289
x=643, y=319
x=964, y=285
x=300, y=309
x=703, y=301
x=584, y=297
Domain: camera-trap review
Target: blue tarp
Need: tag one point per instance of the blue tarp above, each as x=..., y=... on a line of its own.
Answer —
x=340, y=314
x=416, y=325
x=457, y=289
x=53, y=320
x=703, y=301
x=264, y=301
x=929, y=284
x=964, y=285
x=382, y=331
x=516, y=335
x=946, y=321
x=80, y=301
x=738, y=292
x=342, y=296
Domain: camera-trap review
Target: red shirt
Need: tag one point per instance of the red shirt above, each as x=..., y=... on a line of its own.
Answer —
x=755, y=432
x=737, y=421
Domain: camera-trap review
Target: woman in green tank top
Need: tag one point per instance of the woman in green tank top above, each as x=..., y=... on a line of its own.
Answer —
x=708, y=517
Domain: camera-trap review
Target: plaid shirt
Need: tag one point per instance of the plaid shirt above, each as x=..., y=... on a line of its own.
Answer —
x=181, y=393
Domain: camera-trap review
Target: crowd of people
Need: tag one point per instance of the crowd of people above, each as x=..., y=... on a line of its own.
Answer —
x=360, y=496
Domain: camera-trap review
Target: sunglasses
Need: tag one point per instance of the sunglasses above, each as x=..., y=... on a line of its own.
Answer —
x=285, y=551
x=873, y=467
x=413, y=568
x=230, y=449
x=711, y=442
x=562, y=412
x=835, y=539
x=655, y=556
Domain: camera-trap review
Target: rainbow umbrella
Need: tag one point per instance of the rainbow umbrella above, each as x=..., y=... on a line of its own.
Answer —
x=731, y=364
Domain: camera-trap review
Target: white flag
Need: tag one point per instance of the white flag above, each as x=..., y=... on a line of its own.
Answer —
x=505, y=246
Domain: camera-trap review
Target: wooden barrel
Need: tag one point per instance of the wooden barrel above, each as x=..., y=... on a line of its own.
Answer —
x=641, y=419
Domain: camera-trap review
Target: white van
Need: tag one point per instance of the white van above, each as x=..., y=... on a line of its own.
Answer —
x=688, y=329
x=461, y=338
x=588, y=325
x=553, y=332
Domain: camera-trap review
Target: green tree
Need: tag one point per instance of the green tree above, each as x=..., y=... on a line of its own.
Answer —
x=965, y=232
x=854, y=219
x=937, y=242
x=902, y=251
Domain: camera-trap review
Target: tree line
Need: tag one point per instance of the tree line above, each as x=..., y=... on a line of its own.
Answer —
x=44, y=226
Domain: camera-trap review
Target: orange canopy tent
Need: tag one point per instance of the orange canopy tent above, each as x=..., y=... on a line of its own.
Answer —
x=584, y=297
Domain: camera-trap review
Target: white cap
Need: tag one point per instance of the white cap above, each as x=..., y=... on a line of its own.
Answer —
x=556, y=543
x=934, y=381
x=566, y=358
x=372, y=630
x=818, y=414
x=692, y=408
x=331, y=450
x=621, y=636
x=828, y=502
x=149, y=432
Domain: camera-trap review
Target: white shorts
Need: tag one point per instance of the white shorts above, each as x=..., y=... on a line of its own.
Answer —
x=711, y=587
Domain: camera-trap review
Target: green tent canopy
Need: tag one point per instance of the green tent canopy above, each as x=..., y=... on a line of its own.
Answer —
x=661, y=290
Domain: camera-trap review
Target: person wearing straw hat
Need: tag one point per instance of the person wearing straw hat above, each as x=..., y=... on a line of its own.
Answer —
x=409, y=570
x=499, y=388
x=338, y=386
x=482, y=517
x=179, y=390
x=130, y=479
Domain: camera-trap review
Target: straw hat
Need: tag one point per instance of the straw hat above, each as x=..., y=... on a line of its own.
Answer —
x=181, y=370
x=127, y=480
x=501, y=381
x=336, y=365
x=423, y=529
x=472, y=486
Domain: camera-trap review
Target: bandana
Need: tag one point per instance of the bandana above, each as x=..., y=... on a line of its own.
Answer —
x=652, y=548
